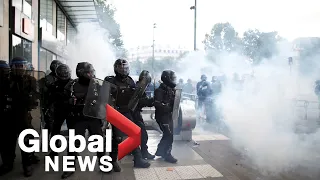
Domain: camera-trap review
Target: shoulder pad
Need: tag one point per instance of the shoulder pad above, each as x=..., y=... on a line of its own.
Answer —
x=130, y=78
x=109, y=78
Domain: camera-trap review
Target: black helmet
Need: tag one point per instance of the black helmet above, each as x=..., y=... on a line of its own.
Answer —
x=169, y=78
x=85, y=70
x=121, y=68
x=4, y=69
x=203, y=77
x=18, y=65
x=54, y=64
x=63, y=72
x=145, y=74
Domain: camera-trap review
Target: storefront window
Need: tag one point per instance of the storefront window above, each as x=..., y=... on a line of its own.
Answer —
x=61, y=25
x=46, y=14
x=45, y=59
x=21, y=48
x=24, y=6
x=71, y=32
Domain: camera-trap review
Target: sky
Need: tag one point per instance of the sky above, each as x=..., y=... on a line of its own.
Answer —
x=175, y=20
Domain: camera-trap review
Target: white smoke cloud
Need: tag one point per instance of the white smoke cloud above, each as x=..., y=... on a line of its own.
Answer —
x=92, y=47
x=262, y=120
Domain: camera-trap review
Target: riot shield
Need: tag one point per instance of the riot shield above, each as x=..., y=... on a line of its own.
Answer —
x=176, y=107
x=141, y=88
x=97, y=98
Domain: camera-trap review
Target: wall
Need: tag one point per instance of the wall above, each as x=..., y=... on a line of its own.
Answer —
x=35, y=44
x=4, y=32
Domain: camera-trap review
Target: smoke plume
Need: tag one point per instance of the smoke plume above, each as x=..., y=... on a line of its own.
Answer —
x=263, y=120
x=92, y=47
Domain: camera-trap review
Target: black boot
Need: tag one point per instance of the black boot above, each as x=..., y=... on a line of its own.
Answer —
x=169, y=158
x=159, y=152
x=147, y=155
x=116, y=167
x=65, y=175
x=5, y=169
x=27, y=171
x=140, y=163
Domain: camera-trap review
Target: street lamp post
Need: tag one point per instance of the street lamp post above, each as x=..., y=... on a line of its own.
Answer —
x=194, y=7
x=154, y=26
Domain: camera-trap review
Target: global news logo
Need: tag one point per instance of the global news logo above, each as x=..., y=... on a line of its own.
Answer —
x=96, y=143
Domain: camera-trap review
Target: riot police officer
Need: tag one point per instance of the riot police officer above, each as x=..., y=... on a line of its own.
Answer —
x=60, y=113
x=76, y=92
x=203, y=90
x=125, y=87
x=180, y=85
x=164, y=97
x=5, y=108
x=204, y=93
x=47, y=100
x=23, y=98
x=145, y=101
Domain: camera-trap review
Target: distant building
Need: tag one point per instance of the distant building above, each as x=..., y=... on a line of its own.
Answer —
x=144, y=52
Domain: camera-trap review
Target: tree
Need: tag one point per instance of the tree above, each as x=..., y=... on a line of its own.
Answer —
x=223, y=37
x=259, y=45
x=105, y=13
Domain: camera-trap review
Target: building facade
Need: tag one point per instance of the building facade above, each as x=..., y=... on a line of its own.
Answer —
x=142, y=53
x=40, y=30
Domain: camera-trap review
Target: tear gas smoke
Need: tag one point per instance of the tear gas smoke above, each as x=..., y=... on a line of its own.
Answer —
x=92, y=46
x=262, y=119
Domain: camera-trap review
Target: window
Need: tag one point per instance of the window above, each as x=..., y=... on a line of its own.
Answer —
x=21, y=48
x=24, y=6
x=45, y=60
x=61, y=25
x=27, y=4
x=46, y=15
x=71, y=32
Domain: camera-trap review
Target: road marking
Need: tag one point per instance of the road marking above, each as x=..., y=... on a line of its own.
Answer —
x=177, y=172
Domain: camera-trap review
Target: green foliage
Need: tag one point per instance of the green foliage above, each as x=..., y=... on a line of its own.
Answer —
x=254, y=44
x=105, y=14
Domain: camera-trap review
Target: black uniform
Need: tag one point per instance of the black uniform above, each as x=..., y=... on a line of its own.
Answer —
x=60, y=113
x=76, y=91
x=204, y=93
x=122, y=95
x=21, y=98
x=163, y=101
x=145, y=101
x=47, y=99
x=5, y=112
